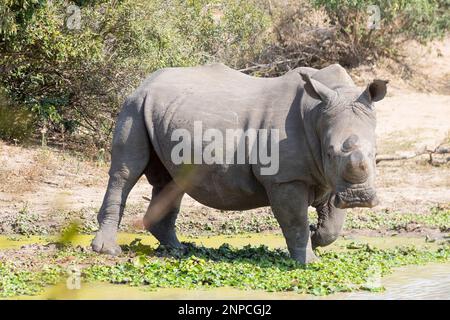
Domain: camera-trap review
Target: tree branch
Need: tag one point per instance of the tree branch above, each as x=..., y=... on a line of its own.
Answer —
x=440, y=149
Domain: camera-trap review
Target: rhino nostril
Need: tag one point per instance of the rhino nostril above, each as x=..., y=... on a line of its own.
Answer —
x=330, y=152
x=363, y=166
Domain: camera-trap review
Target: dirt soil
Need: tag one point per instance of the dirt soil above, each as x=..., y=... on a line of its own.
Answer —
x=42, y=189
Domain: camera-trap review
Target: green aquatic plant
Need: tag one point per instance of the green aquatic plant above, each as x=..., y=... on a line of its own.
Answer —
x=25, y=222
x=260, y=268
x=357, y=267
x=438, y=218
x=16, y=282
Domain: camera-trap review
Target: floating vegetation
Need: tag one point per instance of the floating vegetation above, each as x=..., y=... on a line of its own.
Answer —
x=358, y=267
x=260, y=268
x=438, y=218
x=16, y=282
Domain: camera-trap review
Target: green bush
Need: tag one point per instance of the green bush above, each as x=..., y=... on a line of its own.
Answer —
x=76, y=79
x=16, y=123
x=13, y=13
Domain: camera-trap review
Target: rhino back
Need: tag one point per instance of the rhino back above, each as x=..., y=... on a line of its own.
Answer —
x=222, y=98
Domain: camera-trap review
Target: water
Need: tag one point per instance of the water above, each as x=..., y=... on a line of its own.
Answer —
x=270, y=240
x=430, y=282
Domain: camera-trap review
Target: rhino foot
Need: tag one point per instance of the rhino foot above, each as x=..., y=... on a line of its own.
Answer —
x=105, y=242
x=166, y=235
x=304, y=256
x=171, y=242
x=165, y=250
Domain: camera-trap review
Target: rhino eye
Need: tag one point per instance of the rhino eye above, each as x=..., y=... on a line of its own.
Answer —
x=330, y=152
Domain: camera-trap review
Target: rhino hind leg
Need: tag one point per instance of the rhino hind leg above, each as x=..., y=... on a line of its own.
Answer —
x=164, y=228
x=165, y=204
x=129, y=158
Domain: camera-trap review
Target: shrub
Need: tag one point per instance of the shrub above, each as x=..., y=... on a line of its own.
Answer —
x=317, y=33
x=16, y=123
x=400, y=20
x=302, y=36
x=76, y=79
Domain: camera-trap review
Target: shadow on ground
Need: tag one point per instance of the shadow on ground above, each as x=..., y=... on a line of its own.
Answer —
x=260, y=256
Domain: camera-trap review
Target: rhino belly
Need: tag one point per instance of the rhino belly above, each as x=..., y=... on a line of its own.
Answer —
x=231, y=187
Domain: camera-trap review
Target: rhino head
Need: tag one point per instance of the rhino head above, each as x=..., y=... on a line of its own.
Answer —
x=346, y=131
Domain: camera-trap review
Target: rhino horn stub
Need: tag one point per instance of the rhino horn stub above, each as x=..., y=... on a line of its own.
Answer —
x=356, y=170
x=350, y=143
x=318, y=90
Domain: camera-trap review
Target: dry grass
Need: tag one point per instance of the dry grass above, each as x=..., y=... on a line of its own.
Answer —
x=398, y=141
x=418, y=68
x=22, y=176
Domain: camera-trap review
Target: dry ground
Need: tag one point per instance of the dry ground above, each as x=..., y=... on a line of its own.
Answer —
x=42, y=189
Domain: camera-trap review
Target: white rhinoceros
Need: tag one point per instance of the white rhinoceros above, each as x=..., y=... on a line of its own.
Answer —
x=323, y=156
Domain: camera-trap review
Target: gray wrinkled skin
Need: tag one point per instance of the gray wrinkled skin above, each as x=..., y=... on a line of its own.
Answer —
x=327, y=150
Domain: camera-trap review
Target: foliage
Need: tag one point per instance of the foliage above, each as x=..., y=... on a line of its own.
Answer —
x=16, y=282
x=16, y=123
x=13, y=13
x=235, y=223
x=259, y=269
x=75, y=80
x=437, y=218
x=316, y=33
x=248, y=268
x=26, y=223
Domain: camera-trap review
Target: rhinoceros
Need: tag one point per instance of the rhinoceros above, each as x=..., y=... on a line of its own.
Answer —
x=326, y=147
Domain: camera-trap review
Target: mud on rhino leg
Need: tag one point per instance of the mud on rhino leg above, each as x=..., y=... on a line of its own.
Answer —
x=329, y=225
x=289, y=202
x=129, y=158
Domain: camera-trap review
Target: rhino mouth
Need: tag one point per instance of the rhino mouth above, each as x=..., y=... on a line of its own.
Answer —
x=356, y=197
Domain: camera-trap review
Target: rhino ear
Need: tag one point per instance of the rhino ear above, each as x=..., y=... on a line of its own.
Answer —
x=376, y=90
x=318, y=90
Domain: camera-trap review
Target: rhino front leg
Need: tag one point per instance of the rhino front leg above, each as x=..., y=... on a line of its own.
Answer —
x=289, y=203
x=329, y=225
